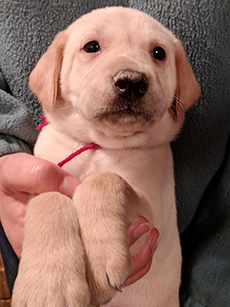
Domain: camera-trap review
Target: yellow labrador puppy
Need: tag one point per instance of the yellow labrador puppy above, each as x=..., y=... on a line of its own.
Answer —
x=118, y=80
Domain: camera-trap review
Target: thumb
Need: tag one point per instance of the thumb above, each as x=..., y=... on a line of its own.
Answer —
x=68, y=185
x=25, y=173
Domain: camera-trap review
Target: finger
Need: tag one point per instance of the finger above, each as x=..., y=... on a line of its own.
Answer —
x=25, y=173
x=139, y=274
x=137, y=229
x=141, y=262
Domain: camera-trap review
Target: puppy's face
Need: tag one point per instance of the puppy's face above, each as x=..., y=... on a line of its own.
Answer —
x=115, y=76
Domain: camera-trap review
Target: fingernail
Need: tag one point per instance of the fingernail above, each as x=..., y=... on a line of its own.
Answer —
x=140, y=230
x=69, y=185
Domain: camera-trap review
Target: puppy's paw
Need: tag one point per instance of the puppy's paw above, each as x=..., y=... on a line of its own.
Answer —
x=102, y=203
x=52, y=268
x=56, y=294
x=107, y=271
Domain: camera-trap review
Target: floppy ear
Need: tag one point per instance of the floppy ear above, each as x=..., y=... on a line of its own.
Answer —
x=187, y=90
x=44, y=79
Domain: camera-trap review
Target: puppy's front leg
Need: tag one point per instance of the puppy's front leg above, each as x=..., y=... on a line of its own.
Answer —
x=52, y=268
x=102, y=203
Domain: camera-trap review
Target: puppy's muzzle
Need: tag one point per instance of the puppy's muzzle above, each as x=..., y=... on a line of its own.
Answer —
x=130, y=84
x=129, y=105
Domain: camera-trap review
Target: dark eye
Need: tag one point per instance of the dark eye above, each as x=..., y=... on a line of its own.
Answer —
x=92, y=47
x=158, y=53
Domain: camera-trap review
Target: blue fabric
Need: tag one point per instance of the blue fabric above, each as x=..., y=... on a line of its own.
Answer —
x=3, y=84
x=192, y=302
x=201, y=152
x=10, y=259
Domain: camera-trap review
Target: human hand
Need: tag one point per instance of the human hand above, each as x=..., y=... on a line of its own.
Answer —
x=141, y=263
x=20, y=176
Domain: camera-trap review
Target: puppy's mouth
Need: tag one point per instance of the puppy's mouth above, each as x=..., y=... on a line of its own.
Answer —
x=126, y=113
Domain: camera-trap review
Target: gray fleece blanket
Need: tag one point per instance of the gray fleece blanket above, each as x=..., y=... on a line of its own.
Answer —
x=201, y=152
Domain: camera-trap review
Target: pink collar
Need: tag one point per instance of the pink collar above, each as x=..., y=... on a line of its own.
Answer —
x=74, y=154
x=78, y=152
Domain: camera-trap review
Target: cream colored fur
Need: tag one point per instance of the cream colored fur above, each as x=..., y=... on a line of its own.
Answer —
x=76, y=252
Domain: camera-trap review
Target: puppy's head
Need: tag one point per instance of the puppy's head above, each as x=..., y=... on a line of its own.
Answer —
x=115, y=77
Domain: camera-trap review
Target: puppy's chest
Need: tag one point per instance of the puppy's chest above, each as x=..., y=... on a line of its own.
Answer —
x=139, y=168
x=98, y=161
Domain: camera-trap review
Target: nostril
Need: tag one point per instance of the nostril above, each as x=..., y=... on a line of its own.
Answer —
x=131, y=83
x=123, y=85
x=140, y=87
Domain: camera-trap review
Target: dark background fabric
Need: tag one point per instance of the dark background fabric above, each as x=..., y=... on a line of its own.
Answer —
x=201, y=152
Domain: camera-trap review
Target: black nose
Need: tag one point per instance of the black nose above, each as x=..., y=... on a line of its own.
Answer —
x=131, y=84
